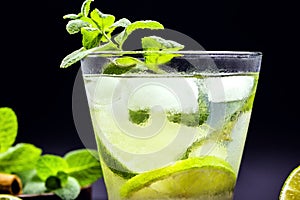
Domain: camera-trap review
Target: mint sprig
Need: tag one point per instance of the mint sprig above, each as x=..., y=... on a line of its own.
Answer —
x=97, y=28
x=64, y=176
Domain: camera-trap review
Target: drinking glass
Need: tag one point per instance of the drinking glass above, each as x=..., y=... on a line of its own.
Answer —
x=170, y=125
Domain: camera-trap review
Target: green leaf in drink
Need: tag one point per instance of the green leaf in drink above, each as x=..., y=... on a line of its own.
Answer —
x=193, y=119
x=188, y=119
x=139, y=116
x=113, y=68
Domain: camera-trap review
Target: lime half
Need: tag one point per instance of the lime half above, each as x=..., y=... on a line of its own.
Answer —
x=291, y=187
x=191, y=178
x=8, y=197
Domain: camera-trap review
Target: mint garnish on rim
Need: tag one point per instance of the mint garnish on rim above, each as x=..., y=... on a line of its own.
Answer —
x=97, y=28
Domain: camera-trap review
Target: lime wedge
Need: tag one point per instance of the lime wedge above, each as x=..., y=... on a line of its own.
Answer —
x=291, y=186
x=8, y=197
x=191, y=178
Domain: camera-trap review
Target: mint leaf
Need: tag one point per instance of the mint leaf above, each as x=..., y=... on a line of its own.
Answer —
x=159, y=46
x=139, y=116
x=74, y=26
x=85, y=8
x=90, y=37
x=147, y=24
x=63, y=177
x=188, y=119
x=154, y=43
x=126, y=61
x=153, y=59
x=70, y=191
x=26, y=176
x=121, y=23
x=19, y=158
x=119, y=66
x=58, y=181
x=50, y=165
x=193, y=119
x=72, y=16
x=34, y=186
x=74, y=57
x=88, y=20
x=84, y=165
x=8, y=128
x=104, y=21
x=110, y=46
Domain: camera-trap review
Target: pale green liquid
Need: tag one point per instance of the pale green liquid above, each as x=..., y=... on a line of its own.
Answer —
x=130, y=148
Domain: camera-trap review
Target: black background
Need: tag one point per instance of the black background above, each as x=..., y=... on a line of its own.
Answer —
x=34, y=41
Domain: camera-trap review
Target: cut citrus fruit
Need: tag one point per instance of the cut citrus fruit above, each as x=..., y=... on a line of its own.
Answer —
x=207, y=176
x=291, y=186
x=8, y=197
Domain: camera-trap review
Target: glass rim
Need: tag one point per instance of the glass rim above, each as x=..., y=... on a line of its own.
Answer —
x=221, y=54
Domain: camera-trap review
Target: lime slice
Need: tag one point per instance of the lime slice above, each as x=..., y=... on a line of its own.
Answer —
x=291, y=187
x=8, y=197
x=207, y=176
x=114, y=165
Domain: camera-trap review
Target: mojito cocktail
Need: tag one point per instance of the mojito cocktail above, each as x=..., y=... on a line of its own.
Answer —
x=173, y=130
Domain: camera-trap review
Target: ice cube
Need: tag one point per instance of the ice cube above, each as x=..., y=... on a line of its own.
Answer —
x=230, y=88
x=175, y=94
x=101, y=90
